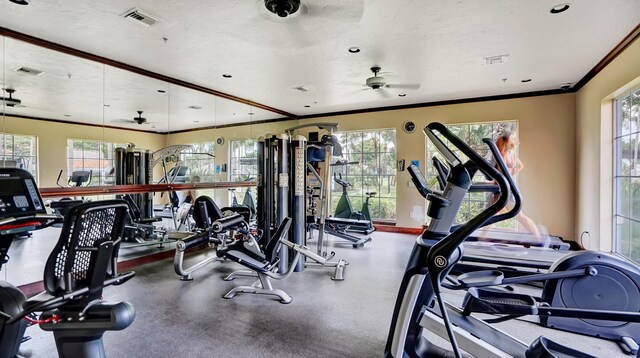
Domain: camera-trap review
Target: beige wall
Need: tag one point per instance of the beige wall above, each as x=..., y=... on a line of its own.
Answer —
x=594, y=162
x=52, y=141
x=547, y=136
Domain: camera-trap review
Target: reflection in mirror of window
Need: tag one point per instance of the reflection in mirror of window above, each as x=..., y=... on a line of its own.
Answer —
x=473, y=134
x=93, y=155
x=375, y=152
x=626, y=215
x=19, y=151
x=243, y=166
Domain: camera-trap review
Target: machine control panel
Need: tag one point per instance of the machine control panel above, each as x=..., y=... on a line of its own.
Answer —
x=19, y=195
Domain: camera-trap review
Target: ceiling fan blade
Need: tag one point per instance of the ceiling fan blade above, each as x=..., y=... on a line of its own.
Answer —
x=365, y=88
x=384, y=93
x=409, y=86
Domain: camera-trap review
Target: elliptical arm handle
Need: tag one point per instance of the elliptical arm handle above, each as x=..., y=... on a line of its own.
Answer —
x=419, y=181
x=90, y=177
x=514, y=189
x=439, y=257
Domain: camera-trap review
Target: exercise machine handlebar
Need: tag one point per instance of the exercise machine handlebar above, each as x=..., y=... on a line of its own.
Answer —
x=227, y=223
x=419, y=181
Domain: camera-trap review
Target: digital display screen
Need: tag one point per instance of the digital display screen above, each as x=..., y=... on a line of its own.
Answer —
x=11, y=186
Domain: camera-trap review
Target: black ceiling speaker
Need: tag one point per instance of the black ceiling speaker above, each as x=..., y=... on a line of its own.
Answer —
x=282, y=8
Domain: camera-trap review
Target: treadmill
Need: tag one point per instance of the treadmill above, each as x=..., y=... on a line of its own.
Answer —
x=495, y=235
x=511, y=258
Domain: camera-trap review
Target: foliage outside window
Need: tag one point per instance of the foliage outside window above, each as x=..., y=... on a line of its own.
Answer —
x=93, y=155
x=19, y=151
x=375, y=152
x=626, y=213
x=472, y=134
x=243, y=165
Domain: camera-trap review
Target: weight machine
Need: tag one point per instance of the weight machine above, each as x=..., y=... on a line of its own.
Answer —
x=282, y=167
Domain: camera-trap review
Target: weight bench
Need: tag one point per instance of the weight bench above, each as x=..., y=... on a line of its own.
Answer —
x=205, y=213
x=265, y=269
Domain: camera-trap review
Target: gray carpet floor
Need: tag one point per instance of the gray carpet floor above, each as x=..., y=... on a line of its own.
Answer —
x=326, y=318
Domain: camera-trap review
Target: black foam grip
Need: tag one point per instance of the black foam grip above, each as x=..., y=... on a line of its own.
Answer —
x=194, y=240
x=227, y=222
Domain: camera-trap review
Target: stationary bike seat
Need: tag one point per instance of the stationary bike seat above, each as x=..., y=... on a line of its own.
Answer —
x=372, y=193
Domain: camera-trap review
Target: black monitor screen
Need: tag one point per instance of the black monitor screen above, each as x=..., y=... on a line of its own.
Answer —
x=11, y=186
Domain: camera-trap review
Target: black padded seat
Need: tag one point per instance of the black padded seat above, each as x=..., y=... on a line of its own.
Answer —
x=247, y=261
x=371, y=193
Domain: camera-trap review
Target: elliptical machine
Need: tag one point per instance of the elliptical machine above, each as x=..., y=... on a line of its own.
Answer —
x=82, y=263
x=344, y=209
x=605, y=278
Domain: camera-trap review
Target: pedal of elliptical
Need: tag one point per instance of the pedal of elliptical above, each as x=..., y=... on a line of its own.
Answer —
x=498, y=302
x=546, y=348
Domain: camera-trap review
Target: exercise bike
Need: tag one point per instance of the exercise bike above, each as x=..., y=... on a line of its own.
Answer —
x=586, y=292
x=82, y=263
x=344, y=209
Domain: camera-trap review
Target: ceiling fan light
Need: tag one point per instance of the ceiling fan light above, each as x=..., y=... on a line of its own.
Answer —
x=560, y=8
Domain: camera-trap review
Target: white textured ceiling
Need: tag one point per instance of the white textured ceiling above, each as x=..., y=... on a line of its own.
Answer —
x=439, y=44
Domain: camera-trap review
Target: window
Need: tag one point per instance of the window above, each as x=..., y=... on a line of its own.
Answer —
x=626, y=213
x=243, y=161
x=472, y=134
x=93, y=155
x=375, y=153
x=201, y=161
x=19, y=151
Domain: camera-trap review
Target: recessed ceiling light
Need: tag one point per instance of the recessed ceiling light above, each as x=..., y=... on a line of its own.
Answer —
x=107, y=105
x=526, y=80
x=307, y=106
x=195, y=107
x=560, y=8
x=354, y=49
x=402, y=95
x=226, y=75
x=20, y=2
x=162, y=91
x=67, y=115
x=195, y=121
x=251, y=113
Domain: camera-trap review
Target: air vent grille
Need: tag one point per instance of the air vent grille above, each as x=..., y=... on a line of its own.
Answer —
x=140, y=17
x=495, y=60
x=29, y=71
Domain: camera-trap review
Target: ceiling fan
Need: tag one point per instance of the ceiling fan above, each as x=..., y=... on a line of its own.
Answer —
x=10, y=101
x=139, y=119
x=379, y=84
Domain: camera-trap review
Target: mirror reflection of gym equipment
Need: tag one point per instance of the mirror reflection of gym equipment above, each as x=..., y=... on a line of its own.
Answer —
x=257, y=179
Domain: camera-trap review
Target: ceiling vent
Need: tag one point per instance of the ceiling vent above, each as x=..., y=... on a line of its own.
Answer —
x=28, y=71
x=140, y=17
x=495, y=60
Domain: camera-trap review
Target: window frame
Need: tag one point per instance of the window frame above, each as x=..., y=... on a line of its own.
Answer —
x=100, y=177
x=618, y=158
x=363, y=177
x=36, y=155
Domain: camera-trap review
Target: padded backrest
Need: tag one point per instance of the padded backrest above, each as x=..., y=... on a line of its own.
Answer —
x=74, y=261
x=213, y=211
x=273, y=246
